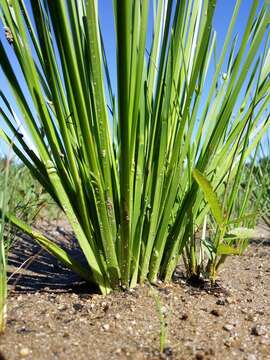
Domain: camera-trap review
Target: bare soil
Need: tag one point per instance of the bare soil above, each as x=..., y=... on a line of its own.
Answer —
x=52, y=315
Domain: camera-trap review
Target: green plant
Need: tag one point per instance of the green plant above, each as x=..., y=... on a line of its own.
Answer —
x=129, y=193
x=226, y=239
x=258, y=184
x=26, y=197
x=22, y=196
x=164, y=319
x=3, y=250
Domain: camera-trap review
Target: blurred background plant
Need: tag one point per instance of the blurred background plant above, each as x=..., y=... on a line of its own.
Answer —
x=24, y=197
x=260, y=181
x=4, y=245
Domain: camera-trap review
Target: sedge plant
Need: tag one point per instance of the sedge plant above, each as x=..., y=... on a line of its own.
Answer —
x=118, y=158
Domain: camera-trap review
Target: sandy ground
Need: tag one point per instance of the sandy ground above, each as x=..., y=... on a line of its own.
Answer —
x=51, y=315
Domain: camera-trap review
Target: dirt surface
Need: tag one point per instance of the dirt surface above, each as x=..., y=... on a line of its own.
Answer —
x=51, y=315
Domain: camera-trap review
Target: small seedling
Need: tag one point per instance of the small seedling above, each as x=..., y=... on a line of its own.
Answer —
x=227, y=240
x=164, y=320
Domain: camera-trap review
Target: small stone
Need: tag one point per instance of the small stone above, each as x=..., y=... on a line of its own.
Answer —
x=117, y=316
x=258, y=330
x=215, y=312
x=164, y=310
x=62, y=307
x=230, y=300
x=24, y=352
x=228, y=327
x=105, y=307
x=106, y=327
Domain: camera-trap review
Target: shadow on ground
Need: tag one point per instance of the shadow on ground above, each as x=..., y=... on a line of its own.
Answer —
x=33, y=269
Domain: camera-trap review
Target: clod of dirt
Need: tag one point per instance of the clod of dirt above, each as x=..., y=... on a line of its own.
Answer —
x=184, y=317
x=168, y=351
x=199, y=356
x=77, y=307
x=221, y=302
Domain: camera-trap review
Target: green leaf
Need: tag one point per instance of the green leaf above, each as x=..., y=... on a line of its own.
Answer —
x=210, y=196
x=225, y=249
x=243, y=218
x=243, y=233
x=208, y=247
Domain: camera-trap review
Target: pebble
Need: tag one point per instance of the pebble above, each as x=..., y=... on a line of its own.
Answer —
x=228, y=327
x=230, y=300
x=24, y=352
x=164, y=310
x=106, y=327
x=258, y=330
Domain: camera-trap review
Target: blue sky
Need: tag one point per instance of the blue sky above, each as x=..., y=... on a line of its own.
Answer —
x=222, y=17
x=224, y=10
